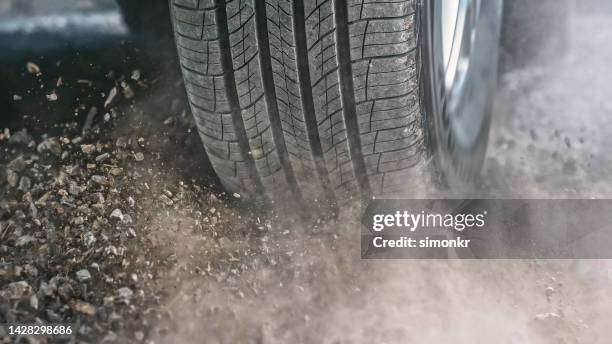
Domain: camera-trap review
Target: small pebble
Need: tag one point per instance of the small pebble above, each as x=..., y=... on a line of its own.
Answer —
x=139, y=156
x=83, y=275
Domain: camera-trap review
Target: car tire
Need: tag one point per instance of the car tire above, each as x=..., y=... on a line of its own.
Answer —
x=309, y=101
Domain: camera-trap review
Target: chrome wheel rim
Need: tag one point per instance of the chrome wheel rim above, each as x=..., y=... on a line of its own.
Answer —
x=460, y=54
x=455, y=27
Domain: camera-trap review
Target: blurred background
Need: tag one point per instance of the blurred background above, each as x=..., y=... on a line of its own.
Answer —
x=85, y=44
x=60, y=59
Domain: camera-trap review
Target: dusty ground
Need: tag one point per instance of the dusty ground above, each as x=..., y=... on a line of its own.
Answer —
x=550, y=136
x=170, y=258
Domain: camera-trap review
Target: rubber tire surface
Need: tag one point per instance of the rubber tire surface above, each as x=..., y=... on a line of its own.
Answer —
x=305, y=100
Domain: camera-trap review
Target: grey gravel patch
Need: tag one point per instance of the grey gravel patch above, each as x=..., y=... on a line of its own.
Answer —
x=111, y=98
x=83, y=308
x=99, y=179
x=17, y=165
x=83, y=275
x=166, y=200
x=117, y=214
x=25, y=183
x=12, y=178
x=49, y=145
x=25, y=240
x=123, y=295
x=102, y=157
x=88, y=148
x=16, y=290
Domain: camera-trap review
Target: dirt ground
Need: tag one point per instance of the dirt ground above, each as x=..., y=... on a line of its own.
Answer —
x=111, y=220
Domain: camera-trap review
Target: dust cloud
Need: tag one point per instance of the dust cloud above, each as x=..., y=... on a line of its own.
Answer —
x=265, y=278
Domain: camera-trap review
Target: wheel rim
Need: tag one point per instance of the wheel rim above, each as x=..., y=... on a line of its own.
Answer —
x=455, y=27
x=460, y=59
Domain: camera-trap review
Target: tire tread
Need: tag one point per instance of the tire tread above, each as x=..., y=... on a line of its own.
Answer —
x=317, y=97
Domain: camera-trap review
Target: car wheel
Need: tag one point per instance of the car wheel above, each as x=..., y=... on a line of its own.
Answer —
x=328, y=100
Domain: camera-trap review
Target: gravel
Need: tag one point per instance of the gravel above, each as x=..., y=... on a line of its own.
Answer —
x=116, y=214
x=123, y=295
x=102, y=180
x=112, y=96
x=75, y=209
x=138, y=246
x=16, y=290
x=83, y=308
x=102, y=157
x=88, y=148
x=17, y=165
x=83, y=275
